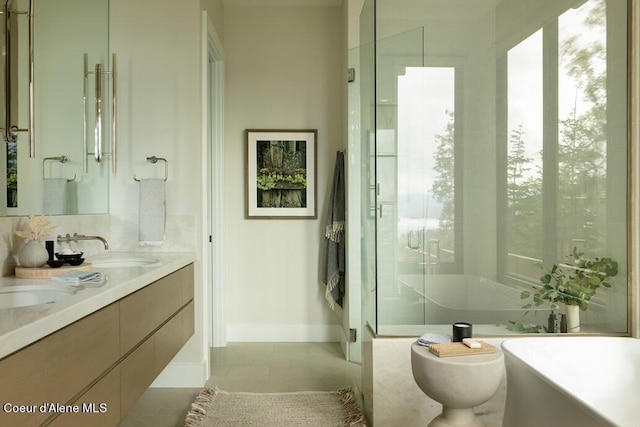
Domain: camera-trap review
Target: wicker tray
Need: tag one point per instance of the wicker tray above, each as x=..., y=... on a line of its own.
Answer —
x=47, y=272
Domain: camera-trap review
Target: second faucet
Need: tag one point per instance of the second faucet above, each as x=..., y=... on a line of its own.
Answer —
x=76, y=237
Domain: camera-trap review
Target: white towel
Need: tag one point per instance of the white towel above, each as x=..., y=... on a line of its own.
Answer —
x=151, y=218
x=54, y=196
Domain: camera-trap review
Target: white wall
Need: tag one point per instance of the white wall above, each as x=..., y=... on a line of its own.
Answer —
x=284, y=70
x=159, y=88
x=158, y=48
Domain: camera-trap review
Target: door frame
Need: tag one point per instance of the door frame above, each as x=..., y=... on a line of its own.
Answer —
x=213, y=215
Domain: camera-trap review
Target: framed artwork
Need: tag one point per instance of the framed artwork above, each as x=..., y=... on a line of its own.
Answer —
x=281, y=174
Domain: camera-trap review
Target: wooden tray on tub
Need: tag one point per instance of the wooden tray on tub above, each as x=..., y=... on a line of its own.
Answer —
x=459, y=349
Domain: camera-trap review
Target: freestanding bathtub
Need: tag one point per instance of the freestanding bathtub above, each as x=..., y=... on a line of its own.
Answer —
x=572, y=381
x=449, y=298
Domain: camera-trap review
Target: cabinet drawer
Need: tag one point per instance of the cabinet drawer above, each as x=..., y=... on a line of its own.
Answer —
x=188, y=280
x=188, y=322
x=145, y=310
x=99, y=406
x=168, y=296
x=78, y=354
x=136, y=318
x=22, y=383
x=168, y=342
x=137, y=372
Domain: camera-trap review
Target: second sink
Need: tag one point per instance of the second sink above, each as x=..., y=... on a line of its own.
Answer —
x=123, y=262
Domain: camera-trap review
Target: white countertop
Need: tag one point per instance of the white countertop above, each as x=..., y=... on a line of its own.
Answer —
x=22, y=326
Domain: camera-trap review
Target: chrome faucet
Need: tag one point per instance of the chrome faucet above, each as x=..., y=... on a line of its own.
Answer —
x=76, y=237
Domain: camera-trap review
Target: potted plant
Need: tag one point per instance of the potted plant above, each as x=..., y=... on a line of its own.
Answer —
x=573, y=285
x=33, y=254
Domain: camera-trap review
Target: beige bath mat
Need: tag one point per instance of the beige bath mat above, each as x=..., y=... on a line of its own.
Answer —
x=217, y=408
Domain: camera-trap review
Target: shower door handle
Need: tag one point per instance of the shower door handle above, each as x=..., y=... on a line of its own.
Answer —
x=433, y=244
x=411, y=244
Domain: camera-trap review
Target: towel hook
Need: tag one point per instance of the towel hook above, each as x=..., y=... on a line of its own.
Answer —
x=61, y=159
x=154, y=160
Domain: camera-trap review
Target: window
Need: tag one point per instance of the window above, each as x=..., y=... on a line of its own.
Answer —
x=562, y=149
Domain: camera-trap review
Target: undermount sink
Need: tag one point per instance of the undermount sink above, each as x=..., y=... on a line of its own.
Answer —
x=26, y=295
x=123, y=262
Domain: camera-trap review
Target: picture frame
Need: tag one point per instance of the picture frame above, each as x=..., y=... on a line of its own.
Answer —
x=281, y=181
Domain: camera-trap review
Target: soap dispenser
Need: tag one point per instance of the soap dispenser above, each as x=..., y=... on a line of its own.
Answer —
x=552, y=323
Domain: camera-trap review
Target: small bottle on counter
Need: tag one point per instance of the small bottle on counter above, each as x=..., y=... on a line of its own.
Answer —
x=49, y=245
x=563, y=323
x=552, y=323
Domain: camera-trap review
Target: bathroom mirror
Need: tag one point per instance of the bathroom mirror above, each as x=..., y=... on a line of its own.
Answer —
x=51, y=177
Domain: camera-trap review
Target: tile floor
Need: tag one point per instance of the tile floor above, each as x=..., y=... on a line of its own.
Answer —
x=252, y=367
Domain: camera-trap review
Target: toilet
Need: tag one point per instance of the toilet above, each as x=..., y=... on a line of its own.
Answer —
x=459, y=383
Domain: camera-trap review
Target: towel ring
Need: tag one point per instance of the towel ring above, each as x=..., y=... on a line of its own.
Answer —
x=154, y=160
x=61, y=159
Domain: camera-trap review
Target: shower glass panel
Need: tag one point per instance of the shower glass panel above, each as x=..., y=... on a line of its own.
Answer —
x=494, y=165
x=367, y=164
x=397, y=60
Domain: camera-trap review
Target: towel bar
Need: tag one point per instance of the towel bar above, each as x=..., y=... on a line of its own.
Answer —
x=154, y=160
x=61, y=159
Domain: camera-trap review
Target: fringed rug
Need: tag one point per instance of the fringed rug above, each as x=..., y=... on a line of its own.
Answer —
x=217, y=408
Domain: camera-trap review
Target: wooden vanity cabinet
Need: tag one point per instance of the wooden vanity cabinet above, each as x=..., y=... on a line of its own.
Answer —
x=103, y=362
x=172, y=310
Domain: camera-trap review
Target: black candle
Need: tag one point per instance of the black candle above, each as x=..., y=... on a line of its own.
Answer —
x=461, y=330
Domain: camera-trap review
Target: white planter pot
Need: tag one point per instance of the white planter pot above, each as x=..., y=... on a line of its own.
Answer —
x=573, y=318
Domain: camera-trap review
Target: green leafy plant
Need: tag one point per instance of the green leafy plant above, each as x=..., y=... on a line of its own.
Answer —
x=12, y=180
x=269, y=181
x=573, y=284
x=522, y=328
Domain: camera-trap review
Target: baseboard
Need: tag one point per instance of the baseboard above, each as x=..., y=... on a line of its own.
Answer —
x=182, y=375
x=284, y=333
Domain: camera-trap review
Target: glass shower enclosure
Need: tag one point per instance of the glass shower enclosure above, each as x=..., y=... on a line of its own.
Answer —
x=493, y=147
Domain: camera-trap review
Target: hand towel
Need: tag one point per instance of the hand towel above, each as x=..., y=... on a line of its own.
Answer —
x=152, y=210
x=78, y=277
x=54, y=196
x=334, y=268
x=427, y=339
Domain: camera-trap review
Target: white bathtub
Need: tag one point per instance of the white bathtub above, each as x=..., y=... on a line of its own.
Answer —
x=572, y=381
x=449, y=298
